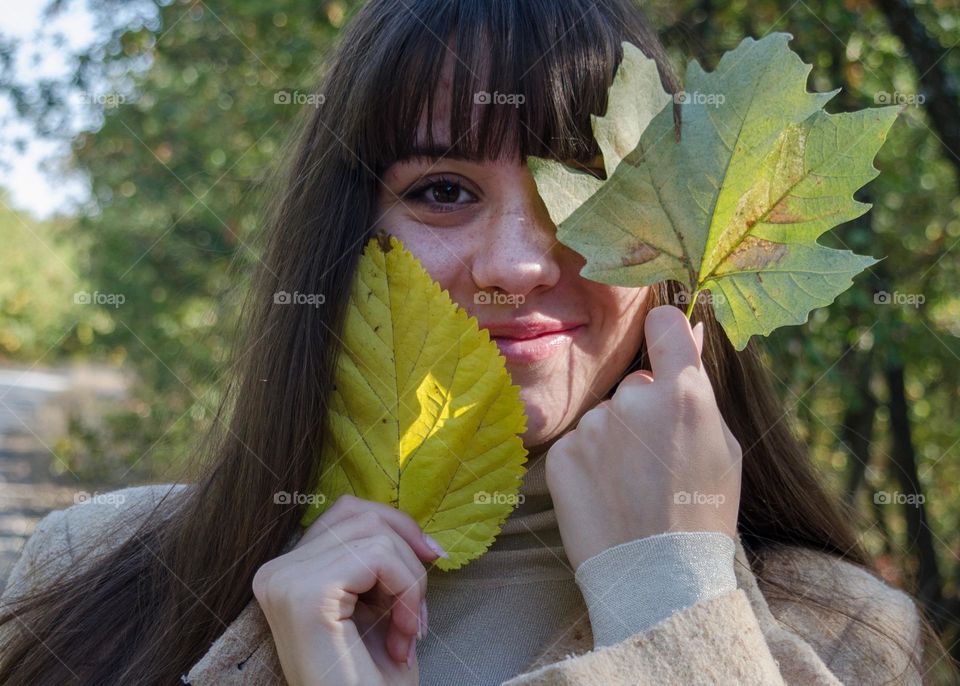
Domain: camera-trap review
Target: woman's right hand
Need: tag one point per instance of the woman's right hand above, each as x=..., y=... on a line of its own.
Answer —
x=346, y=604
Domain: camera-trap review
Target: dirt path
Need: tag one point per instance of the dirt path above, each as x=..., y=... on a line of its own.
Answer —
x=32, y=413
x=27, y=493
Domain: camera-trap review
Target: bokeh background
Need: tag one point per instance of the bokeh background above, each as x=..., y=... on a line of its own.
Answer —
x=138, y=141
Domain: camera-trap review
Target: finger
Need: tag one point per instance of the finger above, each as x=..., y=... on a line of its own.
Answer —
x=698, y=337
x=345, y=537
x=350, y=506
x=347, y=533
x=641, y=377
x=372, y=563
x=670, y=342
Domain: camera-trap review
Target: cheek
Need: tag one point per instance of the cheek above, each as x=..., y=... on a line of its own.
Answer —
x=438, y=257
x=622, y=311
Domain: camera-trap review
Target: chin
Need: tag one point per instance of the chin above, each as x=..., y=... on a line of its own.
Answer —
x=541, y=429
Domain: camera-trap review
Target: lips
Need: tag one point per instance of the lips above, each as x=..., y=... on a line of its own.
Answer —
x=525, y=330
x=531, y=341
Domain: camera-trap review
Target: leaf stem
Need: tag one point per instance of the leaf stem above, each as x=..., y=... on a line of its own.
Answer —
x=693, y=301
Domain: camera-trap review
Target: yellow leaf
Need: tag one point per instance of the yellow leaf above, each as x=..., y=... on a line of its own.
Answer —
x=424, y=416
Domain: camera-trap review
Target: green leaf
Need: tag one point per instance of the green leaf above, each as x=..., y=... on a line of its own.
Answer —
x=424, y=416
x=736, y=206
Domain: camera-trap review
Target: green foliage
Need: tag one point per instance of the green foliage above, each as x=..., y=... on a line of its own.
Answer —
x=40, y=277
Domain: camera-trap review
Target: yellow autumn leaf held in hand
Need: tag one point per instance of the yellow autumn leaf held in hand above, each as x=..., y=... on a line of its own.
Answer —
x=423, y=416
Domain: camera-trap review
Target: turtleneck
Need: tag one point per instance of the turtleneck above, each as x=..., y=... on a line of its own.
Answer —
x=528, y=546
x=490, y=619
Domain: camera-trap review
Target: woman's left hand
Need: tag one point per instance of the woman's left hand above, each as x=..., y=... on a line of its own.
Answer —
x=656, y=457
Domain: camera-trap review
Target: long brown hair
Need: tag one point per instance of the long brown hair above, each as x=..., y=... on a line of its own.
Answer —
x=147, y=610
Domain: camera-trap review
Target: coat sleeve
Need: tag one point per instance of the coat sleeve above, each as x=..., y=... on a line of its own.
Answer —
x=633, y=586
x=717, y=641
x=739, y=638
x=63, y=537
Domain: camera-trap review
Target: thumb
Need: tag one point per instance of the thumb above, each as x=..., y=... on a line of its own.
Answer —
x=698, y=337
x=668, y=336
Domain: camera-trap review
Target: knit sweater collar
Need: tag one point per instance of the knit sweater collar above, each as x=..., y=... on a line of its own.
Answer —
x=528, y=547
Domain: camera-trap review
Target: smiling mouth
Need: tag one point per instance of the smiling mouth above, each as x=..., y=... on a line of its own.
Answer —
x=536, y=347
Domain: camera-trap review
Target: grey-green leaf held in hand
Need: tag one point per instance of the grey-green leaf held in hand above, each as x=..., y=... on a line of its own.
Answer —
x=736, y=206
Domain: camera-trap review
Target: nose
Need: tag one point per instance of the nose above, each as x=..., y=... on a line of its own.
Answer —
x=518, y=250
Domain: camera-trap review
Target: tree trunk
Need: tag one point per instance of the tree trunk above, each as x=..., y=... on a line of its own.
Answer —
x=919, y=536
x=940, y=88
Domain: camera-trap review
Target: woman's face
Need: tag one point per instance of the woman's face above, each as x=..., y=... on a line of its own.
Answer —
x=483, y=233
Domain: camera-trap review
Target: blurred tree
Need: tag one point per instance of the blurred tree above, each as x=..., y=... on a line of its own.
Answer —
x=190, y=121
x=40, y=280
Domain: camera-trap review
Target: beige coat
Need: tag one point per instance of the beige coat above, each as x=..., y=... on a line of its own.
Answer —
x=743, y=637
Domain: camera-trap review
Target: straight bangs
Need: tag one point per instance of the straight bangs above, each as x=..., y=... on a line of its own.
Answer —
x=526, y=76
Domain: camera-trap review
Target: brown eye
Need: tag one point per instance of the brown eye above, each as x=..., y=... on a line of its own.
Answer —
x=445, y=191
x=440, y=194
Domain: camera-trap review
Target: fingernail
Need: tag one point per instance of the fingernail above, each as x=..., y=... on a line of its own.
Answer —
x=698, y=336
x=423, y=618
x=434, y=546
x=411, y=652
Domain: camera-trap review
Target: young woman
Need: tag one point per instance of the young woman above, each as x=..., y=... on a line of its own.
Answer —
x=672, y=530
